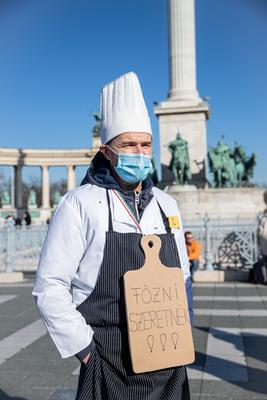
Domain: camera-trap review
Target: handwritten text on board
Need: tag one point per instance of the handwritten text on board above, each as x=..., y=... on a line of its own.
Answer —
x=161, y=318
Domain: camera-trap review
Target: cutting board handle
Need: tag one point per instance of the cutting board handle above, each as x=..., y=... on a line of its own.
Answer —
x=151, y=245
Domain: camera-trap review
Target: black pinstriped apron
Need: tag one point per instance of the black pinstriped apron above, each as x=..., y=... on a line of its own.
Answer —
x=108, y=375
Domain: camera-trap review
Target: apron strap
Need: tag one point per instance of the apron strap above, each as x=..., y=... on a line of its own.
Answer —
x=110, y=226
x=165, y=219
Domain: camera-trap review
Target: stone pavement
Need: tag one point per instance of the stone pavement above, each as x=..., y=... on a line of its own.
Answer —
x=230, y=334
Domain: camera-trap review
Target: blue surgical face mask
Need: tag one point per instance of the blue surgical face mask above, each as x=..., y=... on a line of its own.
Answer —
x=132, y=167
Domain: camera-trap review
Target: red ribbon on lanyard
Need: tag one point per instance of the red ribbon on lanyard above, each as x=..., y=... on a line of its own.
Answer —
x=127, y=208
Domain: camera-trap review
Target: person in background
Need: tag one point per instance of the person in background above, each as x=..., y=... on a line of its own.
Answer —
x=17, y=221
x=10, y=217
x=193, y=250
x=27, y=218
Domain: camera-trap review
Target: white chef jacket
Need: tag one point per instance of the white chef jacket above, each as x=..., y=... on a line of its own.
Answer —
x=72, y=255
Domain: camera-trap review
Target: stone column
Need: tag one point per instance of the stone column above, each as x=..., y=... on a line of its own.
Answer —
x=45, y=187
x=182, y=52
x=71, y=177
x=19, y=187
x=13, y=186
x=184, y=111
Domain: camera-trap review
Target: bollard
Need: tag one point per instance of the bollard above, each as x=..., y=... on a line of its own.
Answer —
x=208, y=257
x=9, y=245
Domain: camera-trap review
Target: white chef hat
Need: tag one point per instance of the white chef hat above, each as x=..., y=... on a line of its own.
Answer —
x=122, y=108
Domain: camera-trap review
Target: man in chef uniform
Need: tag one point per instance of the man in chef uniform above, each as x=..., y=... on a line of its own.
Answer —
x=94, y=238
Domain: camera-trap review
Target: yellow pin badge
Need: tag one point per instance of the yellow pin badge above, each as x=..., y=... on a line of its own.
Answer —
x=174, y=222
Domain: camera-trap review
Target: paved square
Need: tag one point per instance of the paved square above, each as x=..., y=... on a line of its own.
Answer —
x=230, y=335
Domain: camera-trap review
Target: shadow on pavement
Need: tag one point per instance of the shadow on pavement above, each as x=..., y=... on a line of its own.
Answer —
x=5, y=396
x=255, y=347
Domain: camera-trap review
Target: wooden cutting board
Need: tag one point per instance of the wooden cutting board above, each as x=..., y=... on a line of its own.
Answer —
x=158, y=322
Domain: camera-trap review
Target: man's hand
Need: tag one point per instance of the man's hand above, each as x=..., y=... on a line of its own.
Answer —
x=86, y=359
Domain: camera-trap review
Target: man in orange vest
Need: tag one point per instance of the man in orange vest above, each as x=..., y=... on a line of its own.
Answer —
x=193, y=251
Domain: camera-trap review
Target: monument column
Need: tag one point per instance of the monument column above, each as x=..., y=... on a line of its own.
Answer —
x=18, y=187
x=184, y=111
x=13, y=185
x=71, y=177
x=45, y=187
x=182, y=52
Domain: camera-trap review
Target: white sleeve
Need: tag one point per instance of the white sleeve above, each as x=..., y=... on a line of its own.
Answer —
x=62, y=251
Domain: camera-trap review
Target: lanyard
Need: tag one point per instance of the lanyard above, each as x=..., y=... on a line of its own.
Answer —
x=127, y=208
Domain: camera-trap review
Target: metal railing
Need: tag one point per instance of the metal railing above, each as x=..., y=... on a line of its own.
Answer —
x=227, y=246
x=223, y=246
x=20, y=246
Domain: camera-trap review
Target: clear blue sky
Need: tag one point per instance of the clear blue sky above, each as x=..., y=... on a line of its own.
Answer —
x=57, y=54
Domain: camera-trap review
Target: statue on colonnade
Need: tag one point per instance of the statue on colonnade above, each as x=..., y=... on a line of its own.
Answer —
x=32, y=199
x=96, y=129
x=6, y=201
x=56, y=198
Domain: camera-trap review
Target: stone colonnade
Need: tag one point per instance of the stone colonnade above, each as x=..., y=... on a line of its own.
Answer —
x=71, y=183
x=18, y=158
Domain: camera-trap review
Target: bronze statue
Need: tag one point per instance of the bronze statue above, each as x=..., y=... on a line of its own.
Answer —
x=230, y=168
x=56, y=197
x=96, y=129
x=153, y=172
x=6, y=198
x=244, y=165
x=180, y=162
x=32, y=199
x=221, y=165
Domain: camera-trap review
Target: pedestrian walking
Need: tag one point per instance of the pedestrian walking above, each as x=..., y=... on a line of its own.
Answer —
x=94, y=239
